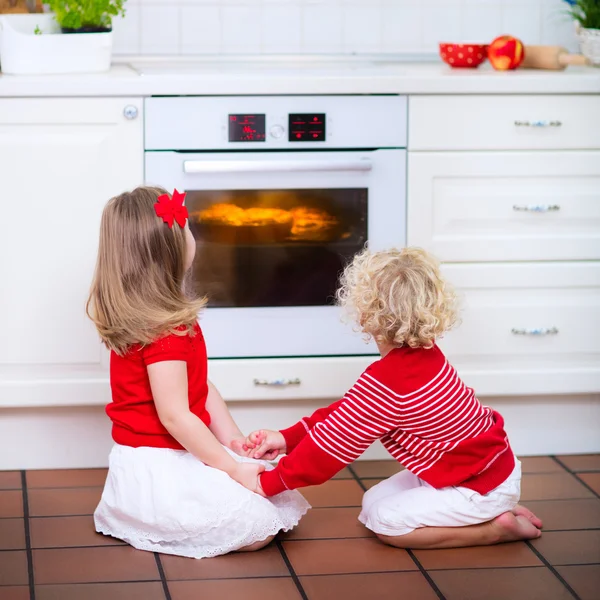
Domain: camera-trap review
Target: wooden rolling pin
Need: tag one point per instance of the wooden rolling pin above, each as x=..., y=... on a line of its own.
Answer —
x=553, y=58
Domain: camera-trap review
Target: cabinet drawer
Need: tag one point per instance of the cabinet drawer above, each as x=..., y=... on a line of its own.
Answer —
x=504, y=122
x=286, y=378
x=532, y=326
x=504, y=206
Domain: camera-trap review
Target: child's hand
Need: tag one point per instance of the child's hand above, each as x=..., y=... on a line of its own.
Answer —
x=266, y=444
x=240, y=447
x=246, y=474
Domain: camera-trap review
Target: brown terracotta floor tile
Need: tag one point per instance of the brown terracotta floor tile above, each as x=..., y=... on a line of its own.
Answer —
x=265, y=563
x=343, y=474
x=569, y=547
x=592, y=479
x=376, y=468
x=11, y=504
x=382, y=586
x=66, y=478
x=326, y=557
x=152, y=590
x=62, y=532
x=369, y=483
x=584, y=579
x=12, y=534
x=13, y=568
x=10, y=480
x=329, y=523
x=80, y=565
x=334, y=493
x=500, y=584
x=581, y=462
x=276, y=588
x=552, y=486
x=568, y=514
x=516, y=554
x=67, y=501
x=17, y=592
x=540, y=464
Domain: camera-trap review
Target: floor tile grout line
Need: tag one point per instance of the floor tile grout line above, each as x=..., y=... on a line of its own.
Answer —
x=496, y=568
x=290, y=568
x=575, y=475
x=357, y=478
x=314, y=507
x=287, y=541
x=28, y=549
x=427, y=576
x=552, y=569
x=163, y=578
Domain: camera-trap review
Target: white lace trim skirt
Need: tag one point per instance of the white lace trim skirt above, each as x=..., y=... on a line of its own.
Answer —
x=167, y=501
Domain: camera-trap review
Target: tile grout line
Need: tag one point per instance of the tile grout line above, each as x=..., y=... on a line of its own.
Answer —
x=357, y=478
x=419, y=566
x=27, y=536
x=290, y=568
x=552, y=569
x=163, y=578
x=427, y=576
x=575, y=475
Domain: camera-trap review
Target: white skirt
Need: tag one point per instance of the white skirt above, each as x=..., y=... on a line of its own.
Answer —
x=168, y=501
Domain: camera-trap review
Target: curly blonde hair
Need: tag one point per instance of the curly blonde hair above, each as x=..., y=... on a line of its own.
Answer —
x=137, y=294
x=398, y=297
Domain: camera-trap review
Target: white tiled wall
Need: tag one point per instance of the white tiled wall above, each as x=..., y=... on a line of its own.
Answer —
x=187, y=27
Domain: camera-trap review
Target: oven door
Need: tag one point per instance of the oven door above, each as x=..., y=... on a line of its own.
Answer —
x=273, y=232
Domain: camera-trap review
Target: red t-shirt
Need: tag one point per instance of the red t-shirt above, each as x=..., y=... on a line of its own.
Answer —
x=132, y=411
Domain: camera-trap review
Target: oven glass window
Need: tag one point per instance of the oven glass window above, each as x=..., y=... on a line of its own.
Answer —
x=274, y=247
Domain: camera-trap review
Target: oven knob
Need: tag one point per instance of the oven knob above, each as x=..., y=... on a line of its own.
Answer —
x=276, y=131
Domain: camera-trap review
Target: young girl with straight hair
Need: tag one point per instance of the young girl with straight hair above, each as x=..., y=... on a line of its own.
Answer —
x=179, y=479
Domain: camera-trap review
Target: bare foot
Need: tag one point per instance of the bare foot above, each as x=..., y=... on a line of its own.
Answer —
x=521, y=511
x=510, y=528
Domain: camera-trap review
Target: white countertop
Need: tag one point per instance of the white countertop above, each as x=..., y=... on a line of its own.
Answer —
x=299, y=75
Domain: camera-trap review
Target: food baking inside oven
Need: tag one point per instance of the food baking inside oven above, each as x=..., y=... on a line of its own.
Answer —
x=274, y=247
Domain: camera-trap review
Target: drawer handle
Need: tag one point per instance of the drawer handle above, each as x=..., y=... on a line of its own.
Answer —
x=537, y=331
x=540, y=124
x=539, y=208
x=277, y=382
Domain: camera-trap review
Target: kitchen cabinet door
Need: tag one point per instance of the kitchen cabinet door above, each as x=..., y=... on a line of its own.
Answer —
x=526, y=328
x=505, y=206
x=61, y=160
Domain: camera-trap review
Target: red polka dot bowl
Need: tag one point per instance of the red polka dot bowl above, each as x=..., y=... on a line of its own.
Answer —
x=463, y=56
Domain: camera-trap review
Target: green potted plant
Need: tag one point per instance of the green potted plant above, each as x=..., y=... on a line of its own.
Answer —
x=86, y=16
x=586, y=14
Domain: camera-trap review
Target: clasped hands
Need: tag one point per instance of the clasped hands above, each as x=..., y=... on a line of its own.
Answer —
x=261, y=444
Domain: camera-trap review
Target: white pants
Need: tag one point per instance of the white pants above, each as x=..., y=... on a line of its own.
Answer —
x=403, y=503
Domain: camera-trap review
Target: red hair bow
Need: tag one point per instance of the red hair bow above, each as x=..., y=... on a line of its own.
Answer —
x=171, y=208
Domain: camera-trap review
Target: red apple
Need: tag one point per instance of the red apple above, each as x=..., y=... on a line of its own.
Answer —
x=506, y=52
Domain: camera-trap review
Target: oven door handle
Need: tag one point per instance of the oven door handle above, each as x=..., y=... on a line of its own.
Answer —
x=276, y=166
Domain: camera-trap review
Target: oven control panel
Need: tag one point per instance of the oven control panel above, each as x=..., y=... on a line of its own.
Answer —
x=301, y=127
x=275, y=122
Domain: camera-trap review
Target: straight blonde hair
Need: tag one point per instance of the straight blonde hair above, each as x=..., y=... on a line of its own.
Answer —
x=137, y=294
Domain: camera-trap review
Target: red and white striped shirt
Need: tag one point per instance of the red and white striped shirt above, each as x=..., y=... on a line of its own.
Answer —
x=425, y=416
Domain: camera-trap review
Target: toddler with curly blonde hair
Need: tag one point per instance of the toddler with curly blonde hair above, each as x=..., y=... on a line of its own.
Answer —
x=461, y=482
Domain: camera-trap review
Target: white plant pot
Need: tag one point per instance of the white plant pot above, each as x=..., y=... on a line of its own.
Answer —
x=589, y=42
x=22, y=52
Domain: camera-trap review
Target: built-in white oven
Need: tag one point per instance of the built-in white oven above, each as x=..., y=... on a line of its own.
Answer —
x=281, y=192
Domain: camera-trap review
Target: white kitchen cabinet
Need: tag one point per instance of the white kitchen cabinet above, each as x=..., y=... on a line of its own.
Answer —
x=505, y=206
x=526, y=328
x=519, y=122
x=61, y=160
x=505, y=191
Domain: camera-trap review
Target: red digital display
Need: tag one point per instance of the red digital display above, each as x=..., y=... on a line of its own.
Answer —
x=247, y=128
x=307, y=127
